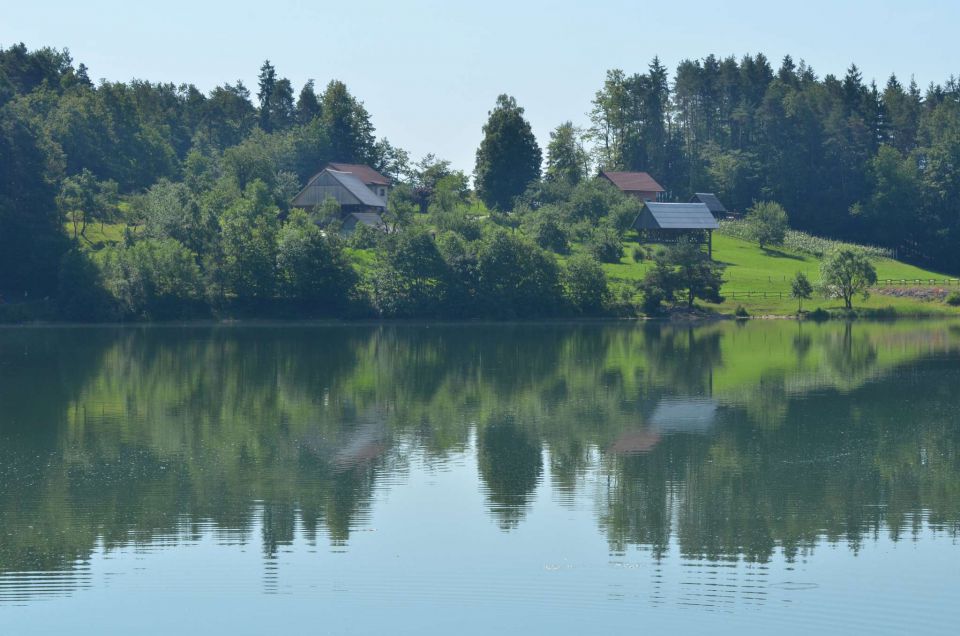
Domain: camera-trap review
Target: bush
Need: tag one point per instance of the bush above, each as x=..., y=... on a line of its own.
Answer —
x=153, y=279
x=365, y=237
x=459, y=222
x=605, y=245
x=585, y=284
x=767, y=223
x=653, y=298
x=593, y=199
x=741, y=312
x=517, y=278
x=954, y=299
x=819, y=314
x=410, y=278
x=311, y=267
x=547, y=230
x=638, y=254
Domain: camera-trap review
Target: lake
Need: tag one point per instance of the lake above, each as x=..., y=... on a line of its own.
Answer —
x=469, y=479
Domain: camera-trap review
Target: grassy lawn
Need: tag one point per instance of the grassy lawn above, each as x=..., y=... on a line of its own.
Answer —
x=98, y=236
x=748, y=268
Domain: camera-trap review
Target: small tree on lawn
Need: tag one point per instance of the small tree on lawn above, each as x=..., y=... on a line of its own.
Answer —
x=696, y=275
x=767, y=221
x=801, y=289
x=683, y=270
x=846, y=273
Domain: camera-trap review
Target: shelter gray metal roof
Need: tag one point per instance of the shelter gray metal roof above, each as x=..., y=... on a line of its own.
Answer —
x=676, y=216
x=373, y=219
x=357, y=188
x=711, y=201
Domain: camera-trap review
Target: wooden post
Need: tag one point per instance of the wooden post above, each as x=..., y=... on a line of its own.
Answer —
x=710, y=244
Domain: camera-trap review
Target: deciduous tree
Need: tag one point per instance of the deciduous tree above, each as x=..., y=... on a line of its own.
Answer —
x=846, y=273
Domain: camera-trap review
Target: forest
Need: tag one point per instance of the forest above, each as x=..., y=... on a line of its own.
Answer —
x=143, y=200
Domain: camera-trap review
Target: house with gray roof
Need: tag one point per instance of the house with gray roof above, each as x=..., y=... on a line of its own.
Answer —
x=356, y=188
x=671, y=222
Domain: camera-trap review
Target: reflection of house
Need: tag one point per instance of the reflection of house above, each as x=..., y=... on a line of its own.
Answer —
x=356, y=443
x=713, y=204
x=637, y=184
x=669, y=222
x=683, y=415
x=356, y=188
x=672, y=415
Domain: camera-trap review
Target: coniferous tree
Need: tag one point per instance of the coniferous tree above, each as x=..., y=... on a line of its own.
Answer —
x=508, y=158
x=267, y=81
x=347, y=124
x=308, y=104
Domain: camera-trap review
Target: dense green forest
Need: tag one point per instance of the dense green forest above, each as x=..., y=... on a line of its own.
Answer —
x=155, y=200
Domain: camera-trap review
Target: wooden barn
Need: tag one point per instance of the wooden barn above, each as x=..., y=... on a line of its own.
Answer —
x=635, y=184
x=359, y=189
x=670, y=222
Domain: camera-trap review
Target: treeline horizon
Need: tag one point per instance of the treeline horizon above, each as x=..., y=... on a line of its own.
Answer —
x=847, y=160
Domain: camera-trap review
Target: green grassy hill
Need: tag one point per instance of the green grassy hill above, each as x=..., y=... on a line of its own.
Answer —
x=751, y=269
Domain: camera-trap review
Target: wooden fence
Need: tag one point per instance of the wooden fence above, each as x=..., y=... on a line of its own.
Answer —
x=886, y=282
x=919, y=282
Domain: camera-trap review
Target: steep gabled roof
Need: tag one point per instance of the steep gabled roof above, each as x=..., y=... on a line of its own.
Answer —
x=342, y=186
x=633, y=181
x=366, y=174
x=711, y=201
x=676, y=216
x=357, y=188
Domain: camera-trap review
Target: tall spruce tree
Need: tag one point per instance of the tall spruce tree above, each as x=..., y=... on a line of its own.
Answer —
x=268, y=85
x=508, y=158
x=308, y=104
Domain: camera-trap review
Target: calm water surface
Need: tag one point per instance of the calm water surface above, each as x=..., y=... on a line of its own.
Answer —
x=569, y=479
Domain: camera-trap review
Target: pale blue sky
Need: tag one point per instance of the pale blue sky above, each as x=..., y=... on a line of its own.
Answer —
x=429, y=71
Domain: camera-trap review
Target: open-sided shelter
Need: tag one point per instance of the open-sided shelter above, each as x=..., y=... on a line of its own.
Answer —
x=671, y=222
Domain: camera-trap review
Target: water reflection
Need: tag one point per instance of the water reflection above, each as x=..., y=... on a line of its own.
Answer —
x=730, y=442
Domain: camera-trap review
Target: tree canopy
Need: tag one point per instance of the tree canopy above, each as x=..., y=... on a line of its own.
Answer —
x=508, y=158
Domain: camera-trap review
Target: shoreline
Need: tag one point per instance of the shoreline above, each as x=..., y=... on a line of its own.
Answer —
x=674, y=319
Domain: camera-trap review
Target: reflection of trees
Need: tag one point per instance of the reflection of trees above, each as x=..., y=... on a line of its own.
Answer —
x=851, y=355
x=840, y=467
x=158, y=432
x=683, y=358
x=510, y=464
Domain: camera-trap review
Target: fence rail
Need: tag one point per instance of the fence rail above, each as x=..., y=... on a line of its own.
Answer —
x=919, y=281
x=885, y=282
x=757, y=294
